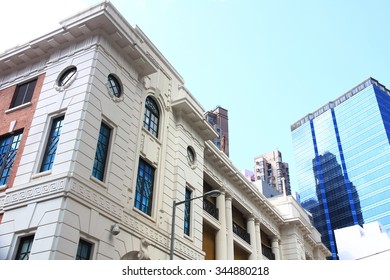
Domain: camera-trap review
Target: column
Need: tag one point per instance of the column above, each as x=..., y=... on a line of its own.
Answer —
x=220, y=238
x=252, y=231
x=258, y=240
x=275, y=247
x=229, y=228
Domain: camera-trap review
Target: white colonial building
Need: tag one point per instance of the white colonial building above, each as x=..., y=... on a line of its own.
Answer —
x=98, y=137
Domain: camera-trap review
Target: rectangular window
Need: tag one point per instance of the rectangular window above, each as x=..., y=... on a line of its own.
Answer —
x=84, y=250
x=9, y=146
x=144, y=189
x=101, y=154
x=52, y=143
x=24, y=248
x=23, y=93
x=187, y=211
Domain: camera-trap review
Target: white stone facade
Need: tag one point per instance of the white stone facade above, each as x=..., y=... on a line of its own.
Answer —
x=67, y=204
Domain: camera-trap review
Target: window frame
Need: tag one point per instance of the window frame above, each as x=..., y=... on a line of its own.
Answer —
x=142, y=201
x=105, y=160
x=30, y=240
x=188, y=211
x=152, y=116
x=28, y=93
x=113, y=82
x=59, y=85
x=5, y=164
x=49, y=137
x=84, y=242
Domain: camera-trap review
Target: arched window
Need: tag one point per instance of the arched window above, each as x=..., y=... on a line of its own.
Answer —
x=151, y=117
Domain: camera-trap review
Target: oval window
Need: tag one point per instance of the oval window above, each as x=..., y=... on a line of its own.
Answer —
x=114, y=86
x=67, y=76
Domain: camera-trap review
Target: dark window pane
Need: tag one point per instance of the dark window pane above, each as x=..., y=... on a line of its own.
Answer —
x=24, y=248
x=23, y=93
x=151, y=116
x=187, y=212
x=101, y=154
x=114, y=86
x=144, y=189
x=52, y=143
x=84, y=250
x=8, y=148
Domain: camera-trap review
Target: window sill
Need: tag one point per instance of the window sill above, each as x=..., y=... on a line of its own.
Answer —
x=18, y=107
x=151, y=135
x=97, y=181
x=143, y=214
x=41, y=174
x=3, y=187
x=188, y=238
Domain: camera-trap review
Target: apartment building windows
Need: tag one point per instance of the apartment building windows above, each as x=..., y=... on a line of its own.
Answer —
x=84, y=250
x=52, y=143
x=151, y=116
x=23, y=93
x=101, y=154
x=24, y=248
x=9, y=146
x=144, y=188
x=187, y=211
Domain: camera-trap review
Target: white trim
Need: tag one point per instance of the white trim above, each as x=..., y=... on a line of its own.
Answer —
x=18, y=107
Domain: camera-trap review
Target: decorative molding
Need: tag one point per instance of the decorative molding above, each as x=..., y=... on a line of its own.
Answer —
x=25, y=195
x=97, y=199
x=112, y=96
x=142, y=144
x=60, y=88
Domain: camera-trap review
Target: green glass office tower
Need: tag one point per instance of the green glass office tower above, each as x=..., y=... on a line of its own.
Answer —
x=342, y=154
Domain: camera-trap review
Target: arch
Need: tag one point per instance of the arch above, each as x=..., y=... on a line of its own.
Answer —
x=151, y=116
x=142, y=254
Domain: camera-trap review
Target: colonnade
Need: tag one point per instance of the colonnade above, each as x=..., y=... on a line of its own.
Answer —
x=224, y=239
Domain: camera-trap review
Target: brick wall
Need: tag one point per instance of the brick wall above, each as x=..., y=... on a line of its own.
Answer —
x=17, y=119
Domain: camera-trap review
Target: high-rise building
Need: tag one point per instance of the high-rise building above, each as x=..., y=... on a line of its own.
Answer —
x=218, y=118
x=342, y=154
x=269, y=167
x=99, y=137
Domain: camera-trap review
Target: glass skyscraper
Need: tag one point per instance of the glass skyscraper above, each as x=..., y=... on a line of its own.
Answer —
x=342, y=154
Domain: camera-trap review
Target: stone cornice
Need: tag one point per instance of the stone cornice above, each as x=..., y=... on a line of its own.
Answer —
x=101, y=19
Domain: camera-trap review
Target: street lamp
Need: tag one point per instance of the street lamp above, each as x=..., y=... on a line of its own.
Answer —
x=213, y=193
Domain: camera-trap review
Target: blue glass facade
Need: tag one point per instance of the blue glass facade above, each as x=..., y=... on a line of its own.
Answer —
x=342, y=152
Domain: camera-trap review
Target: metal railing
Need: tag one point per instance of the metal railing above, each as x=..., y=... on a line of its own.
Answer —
x=211, y=209
x=242, y=233
x=267, y=252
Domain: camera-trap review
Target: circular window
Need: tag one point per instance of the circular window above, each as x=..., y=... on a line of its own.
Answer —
x=114, y=86
x=191, y=156
x=67, y=77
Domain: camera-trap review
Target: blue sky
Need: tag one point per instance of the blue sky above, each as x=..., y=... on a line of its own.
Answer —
x=268, y=62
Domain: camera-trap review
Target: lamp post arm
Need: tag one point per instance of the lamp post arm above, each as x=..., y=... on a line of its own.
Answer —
x=213, y=193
